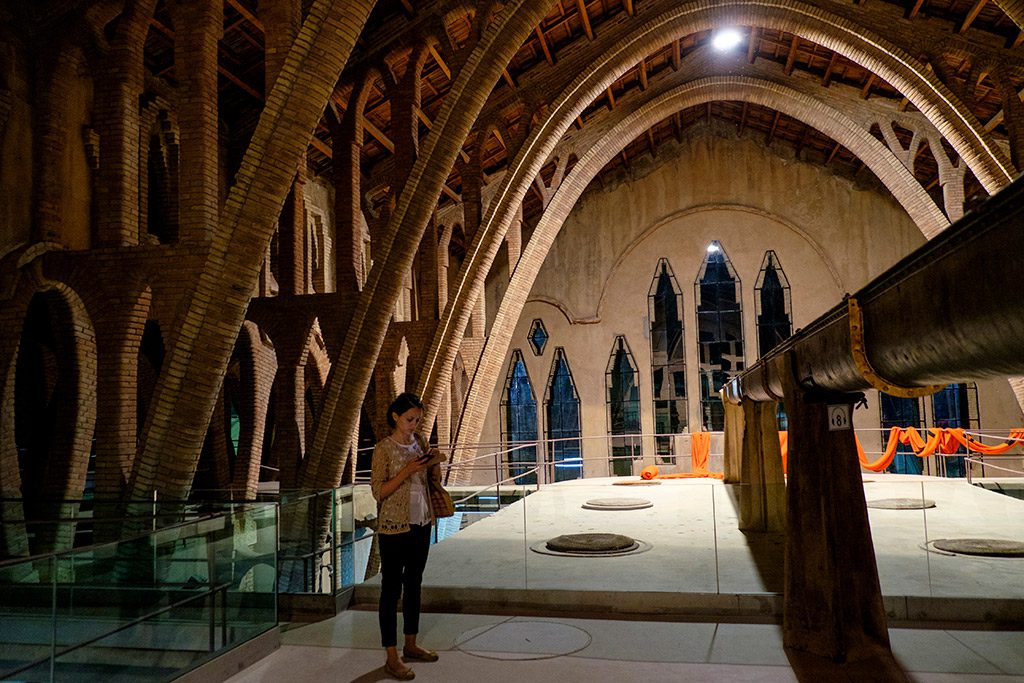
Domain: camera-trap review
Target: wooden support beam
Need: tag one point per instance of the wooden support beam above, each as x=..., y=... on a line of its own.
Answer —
x=508, y=78
x=753, y=44
x=321, y=146
x=677, y=125
x=771, y=131
x=432, y=48
x=650, y=143
x=628, y=4
x=827, y=77
x=833, y=154
x=803, y=140
x=378, y=135
x=676, y=55
x=408, y=7
x=625, y=160
x=643, y=74
x=238, y=82
x=249, y=16
x=972, y=15
x=791, y=57
x=581, y=5
x=1018, y=40
x=579, y=123
x=743, y=116
x=544, y=46
x=866, y=90
x=832, y=598
x=611, y=98
x=918, y=4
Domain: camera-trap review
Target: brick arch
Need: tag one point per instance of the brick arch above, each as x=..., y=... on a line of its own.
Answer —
x=920, y=86
x=874, y=153
x=257, y=367
x=63, y=474
x=481, y=69
x=213, y=312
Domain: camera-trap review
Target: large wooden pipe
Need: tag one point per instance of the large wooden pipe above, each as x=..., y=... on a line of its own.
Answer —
x=951, y=311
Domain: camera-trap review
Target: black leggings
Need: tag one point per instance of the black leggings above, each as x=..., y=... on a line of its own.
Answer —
x=402, y=559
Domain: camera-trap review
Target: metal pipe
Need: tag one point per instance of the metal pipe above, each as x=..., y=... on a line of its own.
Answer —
x=950, y=311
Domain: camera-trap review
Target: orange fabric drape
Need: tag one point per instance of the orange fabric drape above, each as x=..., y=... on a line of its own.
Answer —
x=700, y=447
x=943, y=440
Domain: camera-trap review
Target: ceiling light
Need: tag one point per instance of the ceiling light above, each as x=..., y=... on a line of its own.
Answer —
x=726, y=39
x=713, y=247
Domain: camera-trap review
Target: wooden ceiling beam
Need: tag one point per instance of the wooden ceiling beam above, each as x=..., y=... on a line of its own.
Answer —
x=432, y=48
x=771, y=131
x=508, y=78
x=643, y=74
x=581, y=5
x=791, y=57
x=753, y=45
x=832, y=154
x=378, y=135
x=1018, y=40
x=611, y=98
x=628, y=4
x=866, y=90
x=677, y=56
x=677, y=125
x=544, y=45
x=743, y=116
x=407, y=6
x=249, y=16
x=972, y=15
x=321, y=146
x=827, y=77
x=221, y=69
x=650, y=143
x=918, y=4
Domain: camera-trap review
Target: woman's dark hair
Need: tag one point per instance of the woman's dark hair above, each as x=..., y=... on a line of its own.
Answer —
x=402, y=403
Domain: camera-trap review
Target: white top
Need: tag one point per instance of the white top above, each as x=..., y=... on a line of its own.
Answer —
x=419, y=503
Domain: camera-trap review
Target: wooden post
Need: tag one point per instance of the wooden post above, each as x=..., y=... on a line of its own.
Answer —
x=763, y=495
x=832, y=604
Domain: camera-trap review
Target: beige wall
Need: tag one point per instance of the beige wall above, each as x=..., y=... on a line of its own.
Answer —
x=831, y=236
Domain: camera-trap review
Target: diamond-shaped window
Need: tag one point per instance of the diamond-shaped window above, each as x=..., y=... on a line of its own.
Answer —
x=538, y=337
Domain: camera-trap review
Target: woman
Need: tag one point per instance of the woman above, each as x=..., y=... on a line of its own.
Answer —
x=401, y=465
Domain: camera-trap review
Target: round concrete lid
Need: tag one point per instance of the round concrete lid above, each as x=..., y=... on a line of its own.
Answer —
x=591, y=543
x=982, y=547
x=901, y=503
x=642, y=482
x=617, y=504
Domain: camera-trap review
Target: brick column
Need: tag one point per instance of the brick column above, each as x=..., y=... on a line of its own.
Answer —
x=514, y=241
x=427, y=261
x=56, y=66
x=405, y=104
x=282, y=19
x=118, y=85
x=346, y=145
x=199, y=26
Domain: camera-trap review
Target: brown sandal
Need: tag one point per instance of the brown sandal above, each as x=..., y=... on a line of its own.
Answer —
x=423, y=656
x=402, y=675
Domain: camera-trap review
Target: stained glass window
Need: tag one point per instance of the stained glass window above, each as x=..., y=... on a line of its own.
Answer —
x=719, y=332
x=565, y=449
x=538, y=337
x=519, y=420
x=668, y=365
x=901, y=412
x=622, y=387
x=955, y=406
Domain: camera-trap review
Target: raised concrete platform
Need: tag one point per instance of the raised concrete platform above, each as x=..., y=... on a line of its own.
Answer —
x=701, y=567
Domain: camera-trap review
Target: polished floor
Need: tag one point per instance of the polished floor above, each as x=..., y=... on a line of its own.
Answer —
x=697, y=603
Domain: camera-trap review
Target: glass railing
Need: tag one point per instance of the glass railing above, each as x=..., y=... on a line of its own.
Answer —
x=150, y=607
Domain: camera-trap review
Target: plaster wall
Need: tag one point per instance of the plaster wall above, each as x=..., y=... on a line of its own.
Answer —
x=831, y=236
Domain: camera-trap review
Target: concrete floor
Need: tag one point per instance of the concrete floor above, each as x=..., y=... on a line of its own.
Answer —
x=700, y=604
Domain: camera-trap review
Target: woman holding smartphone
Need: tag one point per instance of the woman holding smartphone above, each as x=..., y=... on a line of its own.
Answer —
x=401, y=465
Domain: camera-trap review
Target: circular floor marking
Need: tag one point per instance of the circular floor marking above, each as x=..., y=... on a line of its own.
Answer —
x=642, y=482
x=590, y=545
x=617, y=504
x=980, y=547
x=523, y=640
x=901, y=503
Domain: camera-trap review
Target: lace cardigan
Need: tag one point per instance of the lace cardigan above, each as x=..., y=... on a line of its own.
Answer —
x=388, y=460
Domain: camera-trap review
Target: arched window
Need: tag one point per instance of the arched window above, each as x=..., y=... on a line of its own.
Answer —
x=562, y=405
x=774, y=310
x=901, y=412
x=955, y=406
x=668, y=365
x=519, y=420
x=772, y=304
x=622, y=387
x=719, y=332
